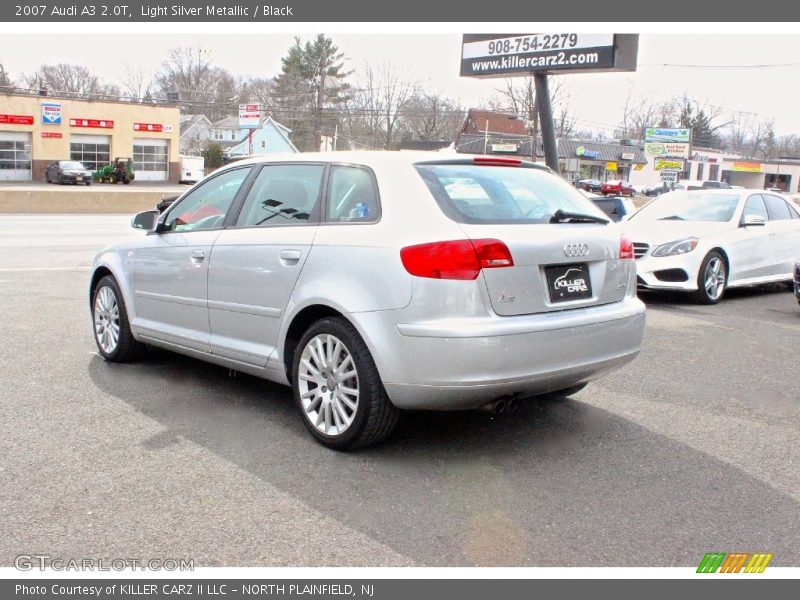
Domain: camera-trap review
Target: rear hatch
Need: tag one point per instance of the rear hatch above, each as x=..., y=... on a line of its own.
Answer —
x=556, y=266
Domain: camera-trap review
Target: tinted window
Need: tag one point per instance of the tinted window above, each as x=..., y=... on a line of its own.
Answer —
x=471, y=193
x=755, y=206
x=608, y=206
x=205, y=206
x=352, y=196
x=778, y=209
x=282, y=195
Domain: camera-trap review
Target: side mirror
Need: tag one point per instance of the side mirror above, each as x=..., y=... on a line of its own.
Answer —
x=145, y=220
x=750, y=220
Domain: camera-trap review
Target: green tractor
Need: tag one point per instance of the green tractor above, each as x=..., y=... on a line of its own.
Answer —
x=120, y=170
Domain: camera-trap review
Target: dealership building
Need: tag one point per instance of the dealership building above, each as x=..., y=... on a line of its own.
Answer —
x=36, y=130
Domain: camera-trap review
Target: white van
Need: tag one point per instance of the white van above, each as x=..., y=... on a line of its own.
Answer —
x=192, y=169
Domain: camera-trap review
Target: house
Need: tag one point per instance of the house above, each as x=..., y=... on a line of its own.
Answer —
x=195, y=133
x=487, y=132
x=270, y=138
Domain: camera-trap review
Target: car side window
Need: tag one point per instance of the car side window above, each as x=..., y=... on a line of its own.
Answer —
x=283, y=195
x=778, y=209
x=755, y=206
x=206, y=206
x=352, y=195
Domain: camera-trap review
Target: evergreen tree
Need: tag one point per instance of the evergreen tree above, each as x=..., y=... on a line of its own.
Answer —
x=312, y=79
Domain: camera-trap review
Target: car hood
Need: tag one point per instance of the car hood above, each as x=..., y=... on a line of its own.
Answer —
x=661, y=232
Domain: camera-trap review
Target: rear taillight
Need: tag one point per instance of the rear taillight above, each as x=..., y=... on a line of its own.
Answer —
x=455, y=259
x=625, y=248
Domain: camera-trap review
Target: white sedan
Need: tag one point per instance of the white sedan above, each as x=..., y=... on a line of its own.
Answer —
x=706, y=241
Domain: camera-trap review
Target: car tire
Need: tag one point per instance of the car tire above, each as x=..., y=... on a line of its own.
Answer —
x=712, y=279
x=340, y=419
x=110, y=319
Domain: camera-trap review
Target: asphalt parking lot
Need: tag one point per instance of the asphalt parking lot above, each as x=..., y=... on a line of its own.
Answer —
x=692, y=448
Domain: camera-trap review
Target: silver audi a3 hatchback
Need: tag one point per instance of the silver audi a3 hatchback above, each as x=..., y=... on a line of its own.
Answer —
x=375, y=282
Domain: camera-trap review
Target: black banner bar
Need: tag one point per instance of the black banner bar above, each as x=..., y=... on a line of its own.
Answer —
x=704, y=586
x=468, y=11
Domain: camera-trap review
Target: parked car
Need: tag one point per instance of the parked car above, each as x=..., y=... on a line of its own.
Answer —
x=617, y=187
x=616, y=207
x=377, y=282
x=716, y=185
x=166, y=202
x=707, y=241
x=67, y=171
x=688, y=185
x=590, y=185
x=797, y=279
x=657, y=190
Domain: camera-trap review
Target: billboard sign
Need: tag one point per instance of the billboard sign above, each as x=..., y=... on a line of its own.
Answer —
x=668, y=164
x=666, y=149
x=663, y=134
x=51, y=113
x=508, y=54
x=249, y=116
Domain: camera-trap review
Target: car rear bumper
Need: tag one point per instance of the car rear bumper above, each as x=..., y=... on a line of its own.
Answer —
x=455, y=364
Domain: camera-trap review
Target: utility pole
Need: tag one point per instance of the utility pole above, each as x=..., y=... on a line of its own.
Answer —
x=546, y=117
x=318, y=116
x=486, y=136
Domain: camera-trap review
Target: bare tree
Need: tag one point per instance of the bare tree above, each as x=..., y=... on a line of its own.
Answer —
x=640, y=113
x=5, y=78
x=136, y=84
x=432, y=116
x=67, y=79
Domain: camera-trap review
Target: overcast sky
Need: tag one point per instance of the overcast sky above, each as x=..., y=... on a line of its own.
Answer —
x=433, y=60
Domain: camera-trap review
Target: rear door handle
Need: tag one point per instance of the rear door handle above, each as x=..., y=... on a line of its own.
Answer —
x=289, y=258
x=198, y=256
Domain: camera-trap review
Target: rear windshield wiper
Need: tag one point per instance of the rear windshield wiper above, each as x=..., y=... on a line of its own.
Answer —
x=561, y=216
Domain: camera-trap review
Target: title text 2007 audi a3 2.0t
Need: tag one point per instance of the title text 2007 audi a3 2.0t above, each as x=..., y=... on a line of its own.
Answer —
x=376, y=282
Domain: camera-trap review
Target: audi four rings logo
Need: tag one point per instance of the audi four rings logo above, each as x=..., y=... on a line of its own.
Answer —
x=576, y=249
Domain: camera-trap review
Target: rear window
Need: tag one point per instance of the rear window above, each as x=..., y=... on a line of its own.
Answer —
x=496, y=194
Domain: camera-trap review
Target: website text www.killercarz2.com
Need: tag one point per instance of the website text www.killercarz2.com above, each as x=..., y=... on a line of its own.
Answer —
x=549, y=60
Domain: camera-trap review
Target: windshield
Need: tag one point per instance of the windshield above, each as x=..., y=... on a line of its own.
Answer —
x=71, y=164
x=690, y=206
x=469, y=193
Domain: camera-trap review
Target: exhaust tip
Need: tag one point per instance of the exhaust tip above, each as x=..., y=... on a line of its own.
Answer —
x=512, y=405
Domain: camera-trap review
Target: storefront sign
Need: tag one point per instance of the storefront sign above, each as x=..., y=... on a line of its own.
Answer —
x=668, y=164
x=52, y=135
x=94, y=123
x=152, y=127
x=669, y=176
x=747, y=167
x=51, y=113
x=16, y=120
x=249, y=116
x=697, y=157
x=660, y=134
x=507, y=54
x=504, y=147
x=627, y=156
x=611, y=166
x=584, y=153
x=666, y=149
x=638, y=167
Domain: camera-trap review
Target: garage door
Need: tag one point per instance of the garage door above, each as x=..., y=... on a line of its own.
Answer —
x=93, y=151
x=15, y=156
x=151, y=159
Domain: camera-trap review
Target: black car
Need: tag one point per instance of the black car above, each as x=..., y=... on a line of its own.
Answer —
x=797, y=279
x=166, y=202
x=68, y=171
x=590, y=185
x=657, y=190
x=616, y=207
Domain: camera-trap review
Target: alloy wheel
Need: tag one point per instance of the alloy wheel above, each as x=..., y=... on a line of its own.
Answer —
x=106, y=319
x=714, y=278
x=328, y=384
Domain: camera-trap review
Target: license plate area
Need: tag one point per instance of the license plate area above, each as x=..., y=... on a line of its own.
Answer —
x=568, y=282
